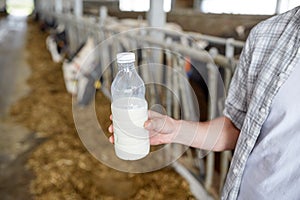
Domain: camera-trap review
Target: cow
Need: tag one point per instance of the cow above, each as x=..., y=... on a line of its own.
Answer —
x=82, y=73
x=57, y=43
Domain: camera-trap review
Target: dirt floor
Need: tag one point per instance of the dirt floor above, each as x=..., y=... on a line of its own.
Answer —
x=60, y=166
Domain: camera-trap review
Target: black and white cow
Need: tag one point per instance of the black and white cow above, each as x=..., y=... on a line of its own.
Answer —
x=82, y=73
x=57, y=43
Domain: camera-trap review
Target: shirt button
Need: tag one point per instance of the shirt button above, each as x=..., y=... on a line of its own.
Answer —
x=248, y=142
x=235, y=171
x=279, y=83
x=244, y=157
x=281, y=75
x=262, y=110
x=269, y=101
x=280, y=79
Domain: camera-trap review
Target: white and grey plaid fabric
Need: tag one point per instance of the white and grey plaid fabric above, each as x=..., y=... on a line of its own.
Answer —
x=269, y=57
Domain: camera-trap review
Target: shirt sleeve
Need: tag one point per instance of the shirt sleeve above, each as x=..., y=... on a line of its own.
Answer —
x=236, y=101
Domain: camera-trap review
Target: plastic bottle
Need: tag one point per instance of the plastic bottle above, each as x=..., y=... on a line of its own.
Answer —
x=129, y=110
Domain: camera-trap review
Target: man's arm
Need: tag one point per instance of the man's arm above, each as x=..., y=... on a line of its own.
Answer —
x=217, y=135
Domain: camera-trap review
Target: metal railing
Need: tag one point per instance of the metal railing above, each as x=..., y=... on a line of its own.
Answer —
x=172, y=50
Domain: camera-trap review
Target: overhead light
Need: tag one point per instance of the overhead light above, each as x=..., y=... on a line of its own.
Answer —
x=141, y=5
x=19, y=8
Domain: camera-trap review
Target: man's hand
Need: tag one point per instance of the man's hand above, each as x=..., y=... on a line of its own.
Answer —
x=161, y=128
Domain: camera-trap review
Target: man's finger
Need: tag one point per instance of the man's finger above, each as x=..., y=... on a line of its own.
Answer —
x=162, y=125
x=152, y=114
x=111, y=139
x=111, y=129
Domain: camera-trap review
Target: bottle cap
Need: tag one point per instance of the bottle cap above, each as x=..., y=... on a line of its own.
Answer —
x=126, y=57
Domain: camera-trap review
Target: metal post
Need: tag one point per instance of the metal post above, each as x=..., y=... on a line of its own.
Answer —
x=229, y=48
x=58, y=6
x=78, y=8
x=156, y=15
x=278, y=6
x=212, y=85
x=213, y=92
x=36, y=6
x=229, y=53
x=102, y=15
x=157, y=18
x=197, y=4
x=67, y=6
x=225, y=156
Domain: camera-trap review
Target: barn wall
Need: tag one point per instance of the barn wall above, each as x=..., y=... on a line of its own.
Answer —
x=191, y=20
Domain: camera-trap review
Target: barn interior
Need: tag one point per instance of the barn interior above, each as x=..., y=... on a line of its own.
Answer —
x=58, y=62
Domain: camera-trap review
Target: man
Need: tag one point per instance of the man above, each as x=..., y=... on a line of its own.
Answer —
x=261, y=116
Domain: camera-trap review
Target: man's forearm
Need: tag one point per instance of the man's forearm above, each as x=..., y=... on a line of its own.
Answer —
x=217, y=135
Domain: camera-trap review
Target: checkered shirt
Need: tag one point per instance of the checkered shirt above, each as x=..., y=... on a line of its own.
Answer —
x=268, y=58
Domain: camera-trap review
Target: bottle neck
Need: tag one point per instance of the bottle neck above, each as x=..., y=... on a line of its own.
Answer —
x=126, y=66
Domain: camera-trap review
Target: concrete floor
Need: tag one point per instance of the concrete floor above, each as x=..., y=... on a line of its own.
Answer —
x=16, y=141
x=13, y=68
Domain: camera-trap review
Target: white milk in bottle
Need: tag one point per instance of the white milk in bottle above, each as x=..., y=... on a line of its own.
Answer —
x=129, y=111
x=131, y=139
